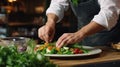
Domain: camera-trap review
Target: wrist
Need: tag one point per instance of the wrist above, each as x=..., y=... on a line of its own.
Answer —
x=82, y=33
x=50, y=23
x=51, y=19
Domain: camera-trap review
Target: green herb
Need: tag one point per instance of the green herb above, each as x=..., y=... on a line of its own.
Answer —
x=75, y=2
x=77, y=45
x=10, y=57
x=70, y=49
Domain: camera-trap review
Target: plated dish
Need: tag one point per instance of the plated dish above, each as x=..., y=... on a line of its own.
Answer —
x=74, y=51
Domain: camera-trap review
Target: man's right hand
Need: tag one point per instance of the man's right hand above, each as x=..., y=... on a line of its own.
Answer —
x=46, y=32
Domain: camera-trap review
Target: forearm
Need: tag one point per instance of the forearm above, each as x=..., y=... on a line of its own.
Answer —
x=90, y=29
x=108, y=14
x=51, y=19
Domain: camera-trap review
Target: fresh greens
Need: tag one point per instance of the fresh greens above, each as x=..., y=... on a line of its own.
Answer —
x=11, y=57
x=50, y=48
x=77, y=45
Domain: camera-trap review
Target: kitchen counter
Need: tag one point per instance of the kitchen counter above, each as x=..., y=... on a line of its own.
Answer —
x=108, y=55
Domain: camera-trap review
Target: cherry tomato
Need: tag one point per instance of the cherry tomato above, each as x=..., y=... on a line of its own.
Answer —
x=80, y=52
x=77, y=51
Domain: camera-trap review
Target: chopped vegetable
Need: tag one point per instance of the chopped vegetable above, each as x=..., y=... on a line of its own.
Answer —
x=51, y=49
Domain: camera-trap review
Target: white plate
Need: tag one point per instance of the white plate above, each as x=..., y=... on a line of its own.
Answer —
x=92, y=51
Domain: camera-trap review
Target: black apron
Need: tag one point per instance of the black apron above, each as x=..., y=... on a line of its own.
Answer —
x=85, y=12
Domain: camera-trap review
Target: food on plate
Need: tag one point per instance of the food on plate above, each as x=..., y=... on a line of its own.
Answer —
x=50, y=48
x=116, y=46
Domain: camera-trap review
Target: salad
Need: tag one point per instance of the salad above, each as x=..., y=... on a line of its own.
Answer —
x=49, y=48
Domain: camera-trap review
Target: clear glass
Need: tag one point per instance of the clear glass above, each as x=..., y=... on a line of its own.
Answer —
x=20, y=42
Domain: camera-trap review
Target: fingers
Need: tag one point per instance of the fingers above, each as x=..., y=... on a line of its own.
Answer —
x=44, y=34
x=64, y=40
x=40, y=33
x=68, y=38
x=51, y=36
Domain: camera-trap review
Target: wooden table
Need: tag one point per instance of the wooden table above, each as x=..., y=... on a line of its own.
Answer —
x=107, y=55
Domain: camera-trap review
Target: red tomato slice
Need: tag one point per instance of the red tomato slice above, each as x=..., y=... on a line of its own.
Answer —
x=77, y=51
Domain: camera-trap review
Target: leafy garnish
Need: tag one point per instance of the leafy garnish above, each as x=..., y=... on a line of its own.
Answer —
x=50, y=48
x=11, y=57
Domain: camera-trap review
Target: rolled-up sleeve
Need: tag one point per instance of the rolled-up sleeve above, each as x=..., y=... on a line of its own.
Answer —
x=58, y=7
x=109, y=13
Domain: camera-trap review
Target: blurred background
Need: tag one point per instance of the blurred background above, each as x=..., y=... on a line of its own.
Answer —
x=23, y=18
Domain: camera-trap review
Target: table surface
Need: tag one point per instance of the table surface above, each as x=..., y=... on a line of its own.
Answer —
x=108, y=54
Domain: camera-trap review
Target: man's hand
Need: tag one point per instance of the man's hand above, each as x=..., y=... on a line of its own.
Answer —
x=71, y=38
x=46, y=33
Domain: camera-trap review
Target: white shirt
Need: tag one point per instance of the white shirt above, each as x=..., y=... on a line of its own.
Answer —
x=107, y=16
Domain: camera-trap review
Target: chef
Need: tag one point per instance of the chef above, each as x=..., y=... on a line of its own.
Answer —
x=98, y=22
